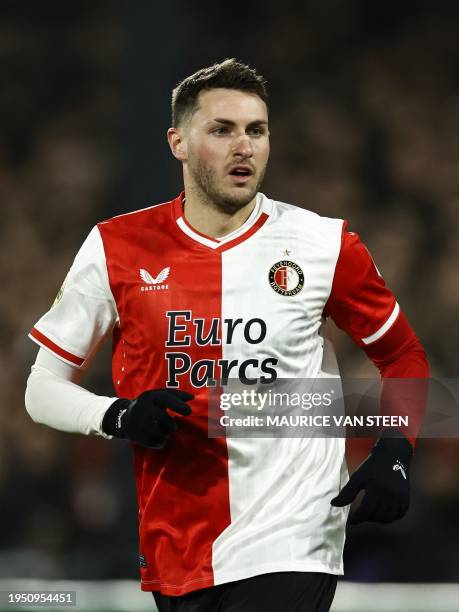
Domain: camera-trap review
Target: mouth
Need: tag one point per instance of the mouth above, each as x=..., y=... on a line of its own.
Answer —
x=241, y=174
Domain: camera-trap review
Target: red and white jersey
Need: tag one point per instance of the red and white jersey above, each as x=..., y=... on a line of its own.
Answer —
x=183, y=308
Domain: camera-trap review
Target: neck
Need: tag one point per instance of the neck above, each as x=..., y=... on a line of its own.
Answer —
x=204, y=216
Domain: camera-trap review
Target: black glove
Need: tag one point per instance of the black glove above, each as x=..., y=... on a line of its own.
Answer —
x=144, y=420
x=384, y=476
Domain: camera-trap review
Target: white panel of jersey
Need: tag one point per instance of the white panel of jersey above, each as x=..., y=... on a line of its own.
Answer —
x=281, y=517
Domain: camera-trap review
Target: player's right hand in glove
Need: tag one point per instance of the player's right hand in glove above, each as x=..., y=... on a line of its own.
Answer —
x=145, y=419
x=385, y=479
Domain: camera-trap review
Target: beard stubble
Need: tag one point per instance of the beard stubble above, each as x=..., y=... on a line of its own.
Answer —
x=205, y=179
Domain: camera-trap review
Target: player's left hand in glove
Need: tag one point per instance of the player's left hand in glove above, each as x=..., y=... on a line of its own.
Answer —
x=385, y=479
x=145, y=419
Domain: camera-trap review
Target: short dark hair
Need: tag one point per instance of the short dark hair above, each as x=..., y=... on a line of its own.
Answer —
x=229, y=74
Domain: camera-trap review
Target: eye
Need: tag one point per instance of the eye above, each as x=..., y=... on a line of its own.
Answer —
x=220, y=130
x=257, y=130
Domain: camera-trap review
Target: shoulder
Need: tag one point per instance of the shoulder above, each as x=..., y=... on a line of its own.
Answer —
x=306, y=221
x=156, y=214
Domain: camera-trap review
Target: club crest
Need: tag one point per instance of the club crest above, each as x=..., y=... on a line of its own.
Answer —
x=286, y=278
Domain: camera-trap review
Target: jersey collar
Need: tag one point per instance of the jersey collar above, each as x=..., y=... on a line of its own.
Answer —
x=256, y=220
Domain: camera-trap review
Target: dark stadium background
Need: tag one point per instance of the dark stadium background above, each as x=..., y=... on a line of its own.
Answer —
x=365, y=124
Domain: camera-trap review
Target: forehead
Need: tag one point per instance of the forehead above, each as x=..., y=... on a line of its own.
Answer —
x=230, y=104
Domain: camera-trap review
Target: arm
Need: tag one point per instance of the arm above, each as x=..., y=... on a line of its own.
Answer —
x=362, y=305
x=54, y=398
x=69, y=334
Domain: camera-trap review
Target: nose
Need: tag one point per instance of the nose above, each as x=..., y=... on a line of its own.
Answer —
x=242, y=146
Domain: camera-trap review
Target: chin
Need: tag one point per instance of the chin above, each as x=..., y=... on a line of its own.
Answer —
x=235, y=199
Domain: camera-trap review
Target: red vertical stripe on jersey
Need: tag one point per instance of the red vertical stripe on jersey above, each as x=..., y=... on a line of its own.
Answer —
x=186, y=483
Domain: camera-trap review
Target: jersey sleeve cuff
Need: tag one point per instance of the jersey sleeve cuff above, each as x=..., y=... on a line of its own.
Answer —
x=42, y=340
x=384, y=328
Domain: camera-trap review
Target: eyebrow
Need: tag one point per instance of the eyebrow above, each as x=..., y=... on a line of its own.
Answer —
x=232, y=123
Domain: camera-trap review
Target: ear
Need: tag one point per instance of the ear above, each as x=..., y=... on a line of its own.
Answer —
x=177, y=143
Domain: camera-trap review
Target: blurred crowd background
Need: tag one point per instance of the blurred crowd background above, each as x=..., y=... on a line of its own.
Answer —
x=364, y=122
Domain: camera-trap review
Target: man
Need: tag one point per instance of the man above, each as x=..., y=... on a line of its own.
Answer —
x=223, y=282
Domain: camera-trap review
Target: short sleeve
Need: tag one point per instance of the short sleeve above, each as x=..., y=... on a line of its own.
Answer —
x=360, y=303
x=84, y=311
